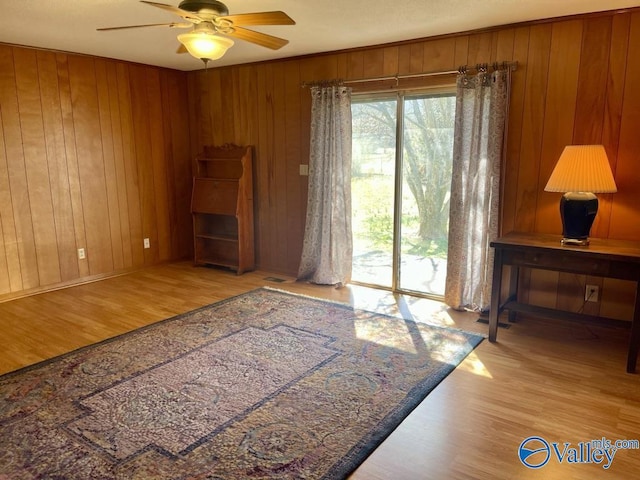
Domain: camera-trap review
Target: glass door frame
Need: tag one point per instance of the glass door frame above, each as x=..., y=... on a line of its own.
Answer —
x=397, y=195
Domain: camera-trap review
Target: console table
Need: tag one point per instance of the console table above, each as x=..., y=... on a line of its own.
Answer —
x=602, y=258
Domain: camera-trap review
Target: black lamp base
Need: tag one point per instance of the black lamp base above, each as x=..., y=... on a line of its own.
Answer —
x=578, y=211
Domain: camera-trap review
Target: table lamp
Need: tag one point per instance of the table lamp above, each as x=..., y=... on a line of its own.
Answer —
x=581, y=172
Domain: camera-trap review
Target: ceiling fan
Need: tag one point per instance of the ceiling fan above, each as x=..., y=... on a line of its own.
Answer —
x=211, y=24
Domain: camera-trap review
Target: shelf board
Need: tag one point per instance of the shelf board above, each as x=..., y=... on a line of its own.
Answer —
x=217, y=261
x=224, y=238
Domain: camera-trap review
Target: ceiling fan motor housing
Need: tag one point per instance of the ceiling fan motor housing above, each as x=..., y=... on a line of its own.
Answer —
x=204, y=7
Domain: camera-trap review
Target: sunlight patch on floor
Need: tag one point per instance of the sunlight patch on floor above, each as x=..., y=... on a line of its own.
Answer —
x=416, y=309
x=473, y=364
x=393, y=334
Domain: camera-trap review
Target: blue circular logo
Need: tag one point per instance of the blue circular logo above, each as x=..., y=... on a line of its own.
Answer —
x=534, y=452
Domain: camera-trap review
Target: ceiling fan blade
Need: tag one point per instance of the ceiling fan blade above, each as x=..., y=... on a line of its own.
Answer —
x=269, y=41
x=175, y=10
x=182, y=49
x=170, y=25
x=263, y=18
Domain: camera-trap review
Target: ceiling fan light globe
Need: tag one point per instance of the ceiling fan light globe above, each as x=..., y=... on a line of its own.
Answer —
x=205, y=45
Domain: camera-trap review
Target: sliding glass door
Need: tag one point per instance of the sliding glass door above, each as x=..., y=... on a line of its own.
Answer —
x=402, y=150
x=373, y=189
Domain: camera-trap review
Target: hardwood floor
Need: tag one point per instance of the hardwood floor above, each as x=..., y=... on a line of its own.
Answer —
x=560, y=381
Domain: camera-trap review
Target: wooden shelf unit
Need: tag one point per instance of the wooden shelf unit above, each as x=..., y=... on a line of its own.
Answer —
x=222, y=208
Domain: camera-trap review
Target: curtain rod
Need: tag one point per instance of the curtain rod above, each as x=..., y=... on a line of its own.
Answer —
x=462, y=69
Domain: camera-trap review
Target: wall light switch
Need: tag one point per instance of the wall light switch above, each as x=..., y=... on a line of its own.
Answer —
x=304, y=170
x=147, y=243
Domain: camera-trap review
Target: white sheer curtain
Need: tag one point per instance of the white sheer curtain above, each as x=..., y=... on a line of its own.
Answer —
x=327, y=249
x=481, y=111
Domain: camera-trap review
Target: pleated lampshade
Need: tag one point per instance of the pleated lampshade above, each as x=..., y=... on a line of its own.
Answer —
x=582, y=168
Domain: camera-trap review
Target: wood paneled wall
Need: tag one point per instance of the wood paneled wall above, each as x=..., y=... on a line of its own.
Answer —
x=575, y=84
x=94, y=154
x=97, y=153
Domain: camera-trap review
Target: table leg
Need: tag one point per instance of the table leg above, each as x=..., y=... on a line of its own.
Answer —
x=632, y=356
x=514, y=277
x=496, y=286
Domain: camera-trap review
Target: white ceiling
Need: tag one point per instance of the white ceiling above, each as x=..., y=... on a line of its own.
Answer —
x=321, y=25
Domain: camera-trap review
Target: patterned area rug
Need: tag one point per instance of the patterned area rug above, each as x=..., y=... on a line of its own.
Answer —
x=264, y=385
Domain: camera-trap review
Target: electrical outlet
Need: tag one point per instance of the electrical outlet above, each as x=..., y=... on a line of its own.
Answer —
x=304, y=170
x=147, y=243
x=81, y=254
x=591, y=293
